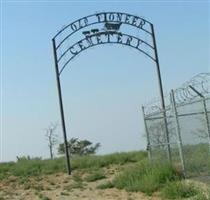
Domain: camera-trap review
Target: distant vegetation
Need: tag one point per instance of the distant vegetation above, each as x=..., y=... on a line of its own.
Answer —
x=27, y=166
x=79, y=147
x=133, y=173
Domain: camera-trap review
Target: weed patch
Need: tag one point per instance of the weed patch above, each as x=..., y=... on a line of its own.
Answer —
x=95, y=176
x=37, y=167
x=145, y=178
x=107, y=160
x=77, y=178
x=179, y=189
x=106, y=185
x=64, y=193
x=76, y=185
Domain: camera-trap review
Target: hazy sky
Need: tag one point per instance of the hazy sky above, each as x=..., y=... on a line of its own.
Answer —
x=104, y=87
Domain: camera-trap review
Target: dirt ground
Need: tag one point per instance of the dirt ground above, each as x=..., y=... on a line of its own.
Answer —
x=64, y=187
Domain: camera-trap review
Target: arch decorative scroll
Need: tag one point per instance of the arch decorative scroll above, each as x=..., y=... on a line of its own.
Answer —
x=98, y=29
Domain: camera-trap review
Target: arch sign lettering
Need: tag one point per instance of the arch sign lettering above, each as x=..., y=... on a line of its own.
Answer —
x=100, y=29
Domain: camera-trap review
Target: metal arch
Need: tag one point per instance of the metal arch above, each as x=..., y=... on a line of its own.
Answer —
x=98, y=23
x=78, y=27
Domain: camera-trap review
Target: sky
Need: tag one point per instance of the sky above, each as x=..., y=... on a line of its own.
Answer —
x=104, y=87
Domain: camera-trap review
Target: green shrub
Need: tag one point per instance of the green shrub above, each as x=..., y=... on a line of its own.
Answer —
x=145, y=177
x=203, y=195
x=75, y=185
x=64, y=193
x=33, y=167
x=45, y=198
x=179, y=189
x=83, y=162
x=77, y=178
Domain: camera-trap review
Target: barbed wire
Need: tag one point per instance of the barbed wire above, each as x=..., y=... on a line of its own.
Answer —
x=183, y=94
x=200, y=82
x=155, y=105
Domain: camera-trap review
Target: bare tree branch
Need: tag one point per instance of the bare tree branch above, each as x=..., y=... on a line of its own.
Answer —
x=51, y=137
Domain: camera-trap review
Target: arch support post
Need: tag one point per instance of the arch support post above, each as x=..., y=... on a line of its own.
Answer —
x=161, y=95
x=61, y=109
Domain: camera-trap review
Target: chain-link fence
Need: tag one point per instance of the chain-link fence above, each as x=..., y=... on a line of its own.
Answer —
x=184, y=139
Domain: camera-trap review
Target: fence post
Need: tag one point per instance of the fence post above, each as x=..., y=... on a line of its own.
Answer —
x=178, y=132
x=205, y=112
x=148, y=137
x=206, y=119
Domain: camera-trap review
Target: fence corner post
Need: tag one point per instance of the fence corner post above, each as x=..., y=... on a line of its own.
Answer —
x=178, y=132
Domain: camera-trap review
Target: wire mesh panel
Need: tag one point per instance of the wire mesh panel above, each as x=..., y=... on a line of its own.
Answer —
x=158, y=147
x=194, y=141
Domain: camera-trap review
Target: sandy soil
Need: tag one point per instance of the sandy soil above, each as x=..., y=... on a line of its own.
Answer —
x=75, y=187
x=64, y=187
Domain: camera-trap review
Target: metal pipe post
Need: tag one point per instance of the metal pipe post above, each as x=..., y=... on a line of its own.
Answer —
x=61, y=109
x=148, y=137
x=205, y=112
x=206, y=120
x=161, y=94
x=178, y=132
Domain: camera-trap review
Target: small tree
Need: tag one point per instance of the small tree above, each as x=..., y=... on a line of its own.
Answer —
x=79, y=147
x=51, y=137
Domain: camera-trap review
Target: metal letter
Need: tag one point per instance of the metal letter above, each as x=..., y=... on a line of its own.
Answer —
x=119, y=17
x=74, y=53
x=127, y=18
x=128, y=41
x=134, y=21
x=74, y=27
x=142, y=23
x=111, y=17
x=98, y=38
x=99, y=16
